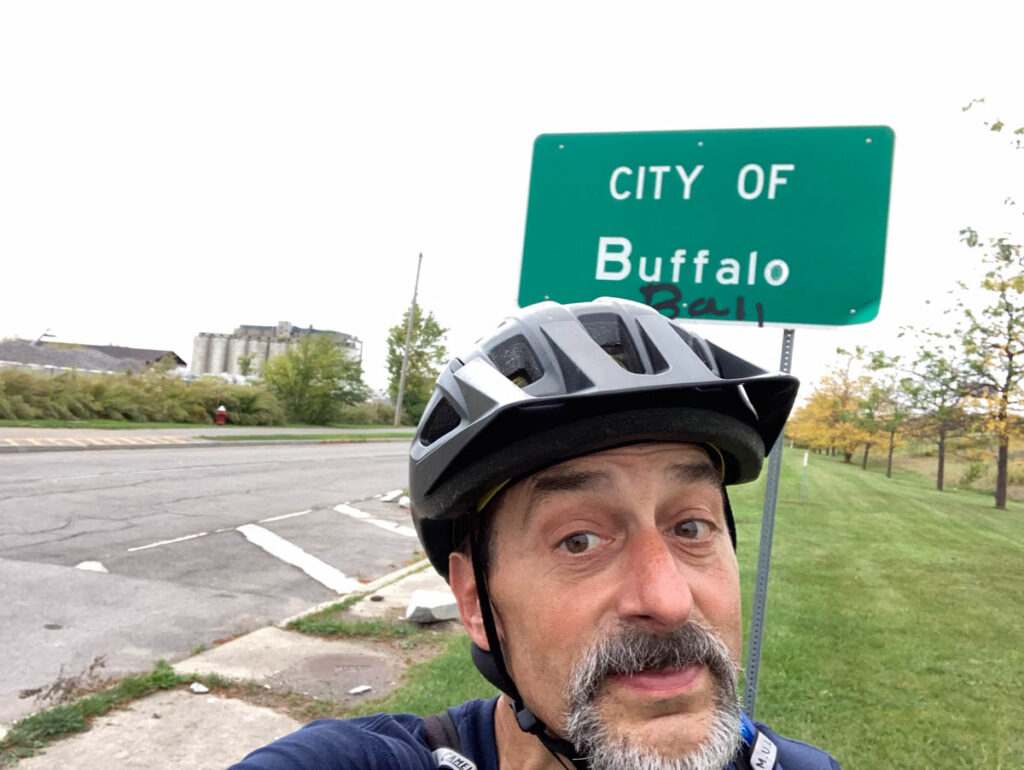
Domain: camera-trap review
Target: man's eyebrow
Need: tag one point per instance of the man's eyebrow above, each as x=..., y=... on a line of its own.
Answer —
x=695, y=473
x=563, y=481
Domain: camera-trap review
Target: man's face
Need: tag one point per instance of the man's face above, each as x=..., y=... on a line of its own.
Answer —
x=619, y=548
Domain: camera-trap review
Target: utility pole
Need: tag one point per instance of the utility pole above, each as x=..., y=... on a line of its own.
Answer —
x=408, y=342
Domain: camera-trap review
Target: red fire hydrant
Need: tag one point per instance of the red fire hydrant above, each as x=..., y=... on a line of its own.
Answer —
x=222, y=414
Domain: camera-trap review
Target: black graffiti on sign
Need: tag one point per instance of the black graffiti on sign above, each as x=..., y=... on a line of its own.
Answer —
x=667, y=298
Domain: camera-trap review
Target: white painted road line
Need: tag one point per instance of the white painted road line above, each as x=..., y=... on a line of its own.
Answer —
x=390, y=526
x=348, y=510
x=201, y=534
x=286, y=516
x=288, y=552
x=168, y=542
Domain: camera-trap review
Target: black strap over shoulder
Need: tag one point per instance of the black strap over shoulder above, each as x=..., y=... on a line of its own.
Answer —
x=441, y=732
x=443, y=741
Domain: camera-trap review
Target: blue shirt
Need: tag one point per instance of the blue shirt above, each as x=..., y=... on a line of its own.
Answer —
x=398, y=742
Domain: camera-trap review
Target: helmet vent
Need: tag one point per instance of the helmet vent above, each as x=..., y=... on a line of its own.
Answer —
x=515, y=359
x=442, y=420
x=698, y=346
x=608, y=331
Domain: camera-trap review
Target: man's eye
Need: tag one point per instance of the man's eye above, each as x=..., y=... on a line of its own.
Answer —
x=580, y=542
x=693, y=529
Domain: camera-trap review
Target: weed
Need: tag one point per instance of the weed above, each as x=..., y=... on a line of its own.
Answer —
x=347, y=602
x=215, y=681
x=324, y=624
x=30, y=734
x=67, y=687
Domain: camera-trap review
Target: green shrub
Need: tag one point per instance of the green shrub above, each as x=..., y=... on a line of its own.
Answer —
x=972, y=473
x=151, y=396
x=368, y=413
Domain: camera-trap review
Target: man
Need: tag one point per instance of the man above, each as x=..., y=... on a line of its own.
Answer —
x=568, y=478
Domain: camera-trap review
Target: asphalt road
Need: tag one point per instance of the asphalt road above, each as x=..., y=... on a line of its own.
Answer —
x=139, y=555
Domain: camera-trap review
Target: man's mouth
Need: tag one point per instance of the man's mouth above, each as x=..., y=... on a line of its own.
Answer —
x=662, y=682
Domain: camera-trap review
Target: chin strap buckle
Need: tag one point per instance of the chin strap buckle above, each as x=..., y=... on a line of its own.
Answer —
x=527, y=722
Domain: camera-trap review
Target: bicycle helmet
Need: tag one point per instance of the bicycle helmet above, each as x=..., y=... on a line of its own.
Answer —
x=559, y=381
x=556, y=382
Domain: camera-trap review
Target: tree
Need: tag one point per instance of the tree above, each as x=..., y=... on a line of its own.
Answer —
x=994, y=347
x=245, y=364
x=427, y=354
x=832, y=419
x=869, y=417
x=937, y=389
x=891, y=410
x=994, y=337
x=314, y=379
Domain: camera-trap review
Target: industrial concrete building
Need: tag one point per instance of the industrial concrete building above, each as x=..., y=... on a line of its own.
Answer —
x=214, y=353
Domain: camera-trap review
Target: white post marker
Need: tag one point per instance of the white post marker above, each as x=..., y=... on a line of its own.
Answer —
x=803, y=477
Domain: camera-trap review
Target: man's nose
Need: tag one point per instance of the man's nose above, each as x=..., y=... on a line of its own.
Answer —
x=655, y=592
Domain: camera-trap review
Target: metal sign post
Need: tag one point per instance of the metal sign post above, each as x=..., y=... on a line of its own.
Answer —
x=764, y=554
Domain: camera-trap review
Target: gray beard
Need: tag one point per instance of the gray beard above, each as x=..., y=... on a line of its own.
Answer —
x=631, y=650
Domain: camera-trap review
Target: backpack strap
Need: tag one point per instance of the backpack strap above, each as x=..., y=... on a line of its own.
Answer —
x=759, y=751
x=443, y=740
x=441, y=732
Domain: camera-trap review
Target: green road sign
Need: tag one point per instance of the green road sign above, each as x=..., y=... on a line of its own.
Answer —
x=779, y=226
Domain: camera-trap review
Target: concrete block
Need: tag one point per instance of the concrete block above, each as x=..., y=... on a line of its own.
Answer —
x=432, y=606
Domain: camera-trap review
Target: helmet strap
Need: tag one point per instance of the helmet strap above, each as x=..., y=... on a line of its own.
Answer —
x=729, y=522
x=492, y=663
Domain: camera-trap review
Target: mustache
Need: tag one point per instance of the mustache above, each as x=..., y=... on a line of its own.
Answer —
x=630, y=650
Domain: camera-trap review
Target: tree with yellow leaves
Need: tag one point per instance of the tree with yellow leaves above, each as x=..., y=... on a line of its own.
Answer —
x=994, y=346
x=832, y=418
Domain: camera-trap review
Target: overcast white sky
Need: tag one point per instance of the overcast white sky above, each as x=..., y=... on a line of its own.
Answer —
x=171, y=168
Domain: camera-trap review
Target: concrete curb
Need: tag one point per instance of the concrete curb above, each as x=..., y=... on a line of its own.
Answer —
x=194, y=445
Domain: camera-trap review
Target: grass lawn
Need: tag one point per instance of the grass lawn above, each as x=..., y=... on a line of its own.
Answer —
x=895, y=623
x=332, y=437
x=895, y=618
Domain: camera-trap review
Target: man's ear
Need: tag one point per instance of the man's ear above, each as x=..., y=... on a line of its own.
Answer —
x=463, y=585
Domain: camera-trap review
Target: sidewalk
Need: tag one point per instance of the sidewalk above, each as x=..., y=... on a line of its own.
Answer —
x=179, y=728
x=17, y=440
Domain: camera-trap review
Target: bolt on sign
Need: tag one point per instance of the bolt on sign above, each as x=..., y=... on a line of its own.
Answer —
x=770, y=226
